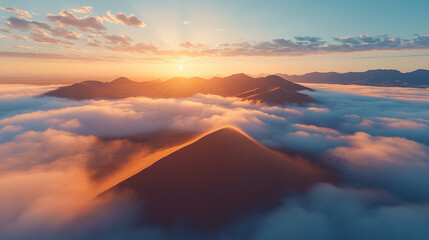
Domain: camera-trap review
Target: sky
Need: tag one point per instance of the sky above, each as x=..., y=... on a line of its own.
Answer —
x=79, y=40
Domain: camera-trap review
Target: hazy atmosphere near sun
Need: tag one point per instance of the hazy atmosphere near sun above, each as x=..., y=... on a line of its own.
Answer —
x=214, y=119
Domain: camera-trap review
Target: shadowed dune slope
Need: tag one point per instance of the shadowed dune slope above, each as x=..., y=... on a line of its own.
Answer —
x=218, y=178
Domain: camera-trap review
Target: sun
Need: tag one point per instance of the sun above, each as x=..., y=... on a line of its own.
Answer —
x=180, y=67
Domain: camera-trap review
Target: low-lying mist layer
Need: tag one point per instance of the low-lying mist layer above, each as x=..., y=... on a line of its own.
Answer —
x=57, y=155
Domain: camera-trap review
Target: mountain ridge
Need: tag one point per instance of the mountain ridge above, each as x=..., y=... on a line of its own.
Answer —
x=231, y=86
x=378, y=77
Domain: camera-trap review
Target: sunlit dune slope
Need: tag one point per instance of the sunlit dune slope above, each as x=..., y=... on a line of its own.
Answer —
x=216, y=179
x=233, y=86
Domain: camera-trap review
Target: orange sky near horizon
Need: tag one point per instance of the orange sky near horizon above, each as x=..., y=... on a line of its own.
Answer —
x=65, y=71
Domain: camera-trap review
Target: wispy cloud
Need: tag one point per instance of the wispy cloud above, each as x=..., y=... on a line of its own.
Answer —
x=308, y=45
x=73, y=57
x=118, y=39
x=5, y=30
x=19, y=23
x=66, y=18
x=83, y=9
x=20, y=37
x=313, y=45
x=142, y=48
x=20, y=47
x=17, y=11
x=24, y=24
x=395, y=56
x=281, y=47
x=44, y=38
x=120, y=18
x=189, y=45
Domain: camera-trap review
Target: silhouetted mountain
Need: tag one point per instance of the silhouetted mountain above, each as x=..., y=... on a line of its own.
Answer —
x=217, y=179
x=385, y=78
x=271, y=89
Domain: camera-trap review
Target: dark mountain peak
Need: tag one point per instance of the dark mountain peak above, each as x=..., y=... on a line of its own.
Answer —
x=321, y=73
x=274, y=77
x=419, y=76
x=238, y=76
x=93, y=83
x=383, y=70
x=384, y=73
x=217, y=179
x=421, y=71
x=122, y=80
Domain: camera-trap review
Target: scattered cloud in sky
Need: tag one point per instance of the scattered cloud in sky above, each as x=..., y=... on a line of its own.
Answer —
x=277, y=47
x=189, y=45
x=119, y=39
x=304, y=45
x=5, y=30
x=44, y=38
x=20, y=37
x=143, y=48
x=26, y=25
x=65, y=33
x=17, y=11
x=66, y=18
x=281, y=47
x=84, y=9
x=130, y=20
x=72, y=57
x=20, y=46
x=18, y=23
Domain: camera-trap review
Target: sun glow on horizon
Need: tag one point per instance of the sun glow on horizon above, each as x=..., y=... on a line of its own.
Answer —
x=181, y=67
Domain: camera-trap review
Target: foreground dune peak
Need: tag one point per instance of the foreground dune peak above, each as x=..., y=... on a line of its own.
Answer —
x=217, y=179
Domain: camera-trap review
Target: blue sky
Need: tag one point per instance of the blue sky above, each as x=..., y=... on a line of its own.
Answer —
x=259, y=20
x=218, y=25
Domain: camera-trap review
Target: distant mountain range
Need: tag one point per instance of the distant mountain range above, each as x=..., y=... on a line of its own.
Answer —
x=270, y=90
x=385, y=78
x=217, y=179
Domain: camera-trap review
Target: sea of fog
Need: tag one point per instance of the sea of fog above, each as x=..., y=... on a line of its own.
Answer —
x=375, y=138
